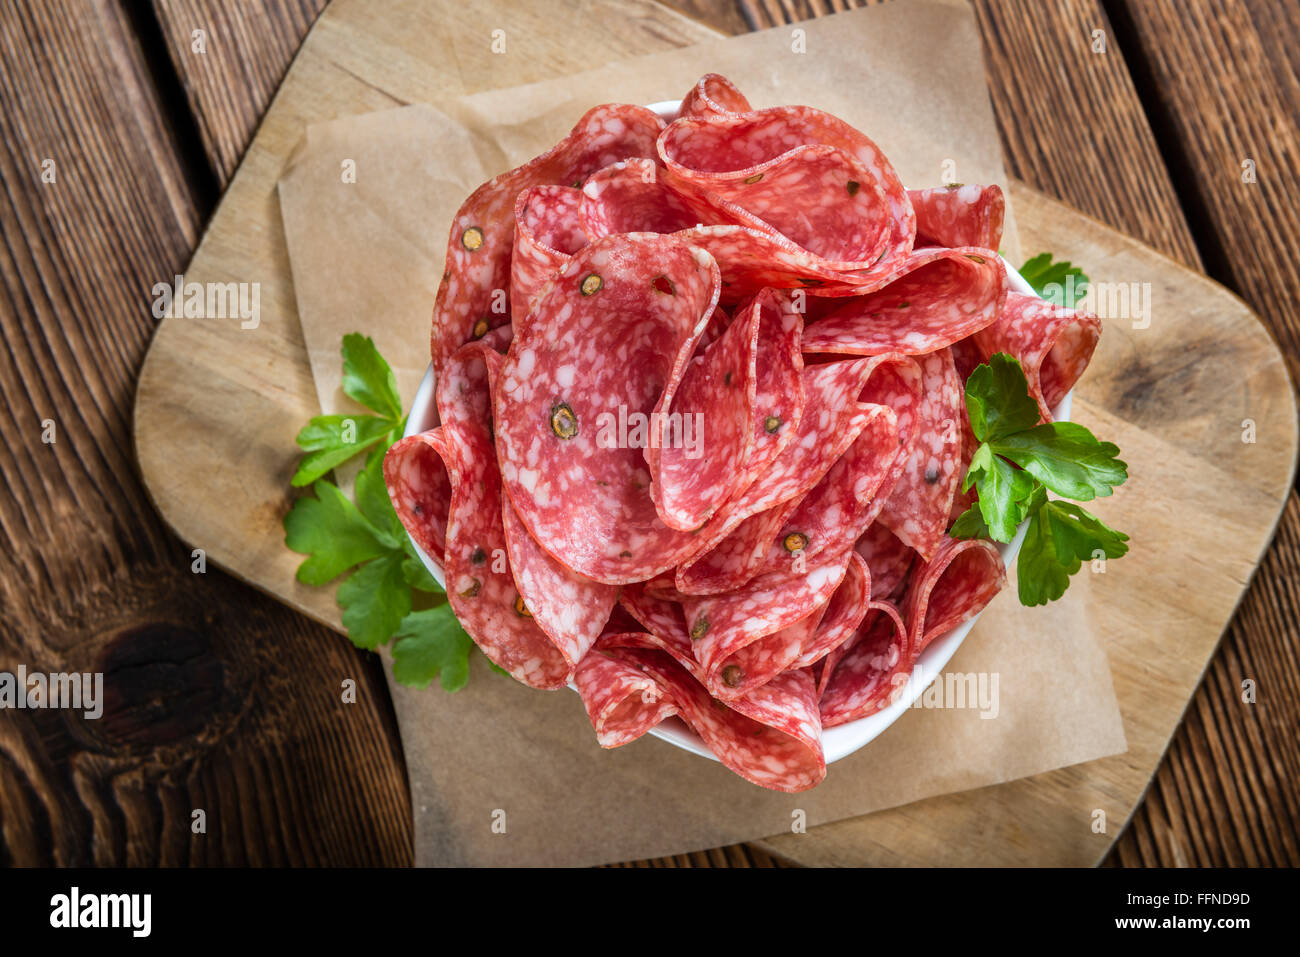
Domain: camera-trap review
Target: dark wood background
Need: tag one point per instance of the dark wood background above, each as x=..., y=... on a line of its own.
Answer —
x=221, y=707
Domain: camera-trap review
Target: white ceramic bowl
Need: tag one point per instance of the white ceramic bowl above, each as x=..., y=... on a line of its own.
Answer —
x=844, y=739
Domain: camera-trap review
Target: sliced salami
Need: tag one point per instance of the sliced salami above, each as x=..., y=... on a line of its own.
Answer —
x=548, y=231
x=464, y=390
x=850, y=496
x=701, y=428
x=714, y=95
x=605, y=347
x=480, y=587
x=949, y=295
x=713, y=416
x=622, y=701
x=869, y=672
x=664, y=624
x=477, y=274
x=639, y=196
x=917, y=510
x=843, y=614
x=959, y=215
x=783, y=756
x=570, y=608
x=810, y=175
x=1053, y=344
x=721, y=627
x=952, y=587
x=419, y=486
x=887, y=558
x=831, y=420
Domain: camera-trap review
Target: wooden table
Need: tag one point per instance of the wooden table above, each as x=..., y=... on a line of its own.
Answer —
x=225, y=706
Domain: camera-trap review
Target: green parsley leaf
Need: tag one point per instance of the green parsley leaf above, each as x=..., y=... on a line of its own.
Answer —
x=331, y=440
x=1003, y=493
x=372, y=495
x=417, y=575
x=1065, y=457
x=1079, y=532
x=432, y=643
x=336, y=536
x=998, y=400
x=1040, y=575
x=1060, y=283
x=1060, y=538
x=970, y=524
x=368, y=379
x=375, y=599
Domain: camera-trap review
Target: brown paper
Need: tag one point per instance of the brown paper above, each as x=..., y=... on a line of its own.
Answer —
x=503, y=774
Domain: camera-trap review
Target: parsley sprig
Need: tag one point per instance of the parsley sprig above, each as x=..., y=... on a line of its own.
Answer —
x=389, y=593
x=1017, y=462
x=1060, y=283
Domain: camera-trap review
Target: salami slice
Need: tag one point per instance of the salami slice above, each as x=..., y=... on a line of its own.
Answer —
x=802, y=191
x=664, y=629
x=482, y=234
x=733, y=556
x=606, y=346
x=420, y=487
x=843, y=614
x=959, y=215
x=949, y=295
x=810, y=175
x=954, y=586
x=783, y=756
x=1053, y=344
x=734, y=546
x=480, y=587
x=869, y=672
x=917, y=510
x=723, y=627
x=713, y=415
x=570, y=608
x=464, y=390
x=887, y=558
x=622, y=701
x=638, y=196
x=787, y=703
x=850, y=496
x=548, y=231
x=714, y=95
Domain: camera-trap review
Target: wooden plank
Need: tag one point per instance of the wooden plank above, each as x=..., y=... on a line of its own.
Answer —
x=221, y=699
x=1074, y=126
x=1221, y=83
x=245, y=49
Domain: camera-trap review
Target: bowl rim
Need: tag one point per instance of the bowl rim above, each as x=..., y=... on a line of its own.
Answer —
x=843, y=739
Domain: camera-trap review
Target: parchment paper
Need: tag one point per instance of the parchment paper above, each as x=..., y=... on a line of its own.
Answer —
x=503, y=774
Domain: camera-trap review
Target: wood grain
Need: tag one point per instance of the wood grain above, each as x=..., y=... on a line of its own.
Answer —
x=246, y=47
x=1220, y=81
x=222, y=699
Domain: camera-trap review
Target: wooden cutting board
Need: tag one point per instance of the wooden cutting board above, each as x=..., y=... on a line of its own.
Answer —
x=218, y=408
